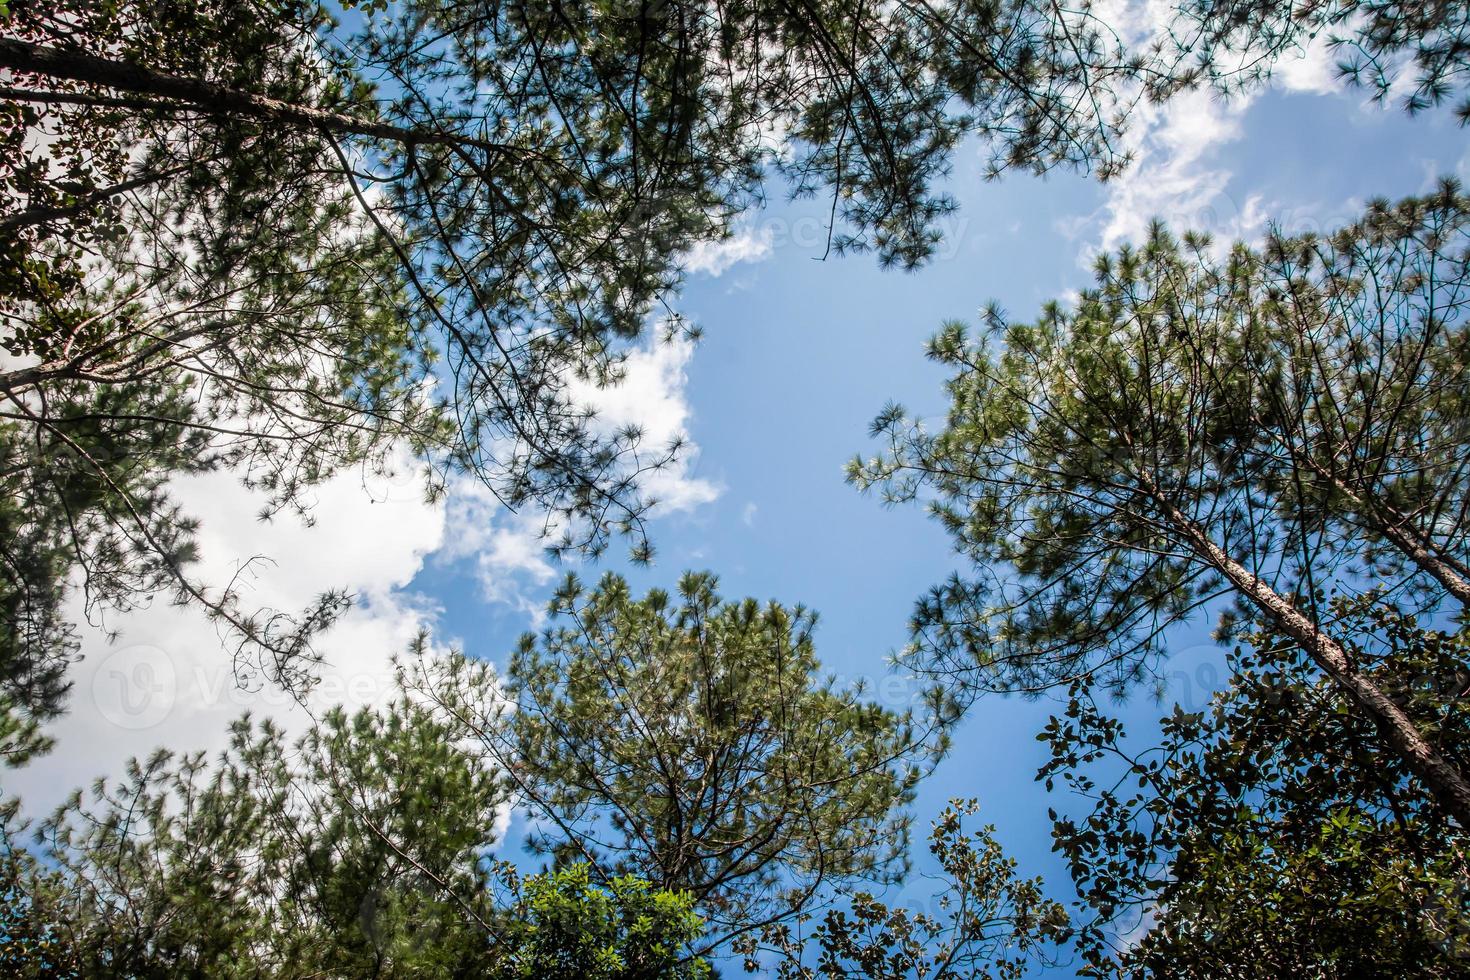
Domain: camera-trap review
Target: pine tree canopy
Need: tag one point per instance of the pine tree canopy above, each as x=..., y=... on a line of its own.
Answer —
x=1276, y=427
x=692, y=742
x=1416, y=53
x=359, y=849
x=288, y=238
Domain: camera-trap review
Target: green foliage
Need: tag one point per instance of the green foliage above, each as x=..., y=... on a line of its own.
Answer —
x=361, y=849
x=1285, y=427
x=1302, y=408
x=990, y=923
x=356, y=849
x=690, y=741
x=234, y=313
x=567, y=928
x=1270, y=834
x=287, y=239
x=63, y=484
x=1379, y=43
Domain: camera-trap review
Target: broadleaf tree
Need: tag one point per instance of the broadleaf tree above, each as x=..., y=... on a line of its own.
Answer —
x=1269, y=833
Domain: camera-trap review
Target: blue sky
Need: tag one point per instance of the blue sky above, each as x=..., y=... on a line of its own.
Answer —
x=798, y=355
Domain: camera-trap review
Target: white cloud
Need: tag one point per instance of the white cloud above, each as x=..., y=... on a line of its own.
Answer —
x=651, y=397
x=1174, y=176
x=747, y=516
x=715, y=258
x=1177, y=175
x=1311, y=69
x=1137, y=22
x=166, y=680
x=507, y=549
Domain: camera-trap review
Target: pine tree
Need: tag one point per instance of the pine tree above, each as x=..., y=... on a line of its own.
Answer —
x=1417, y=51
x=363, y=848
x=691, y=742
x=986, y=922
x=1277, y=428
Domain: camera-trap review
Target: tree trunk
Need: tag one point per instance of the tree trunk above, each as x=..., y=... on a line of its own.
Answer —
x=1399, y=532
x=1441, y=776
x=1411, y=543
x=1444, y=572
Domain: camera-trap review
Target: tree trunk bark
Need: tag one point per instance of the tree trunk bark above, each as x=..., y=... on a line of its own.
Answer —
x=1443, y=572
x=1399, y=532
x=1411, y=543
x=1441, y=776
